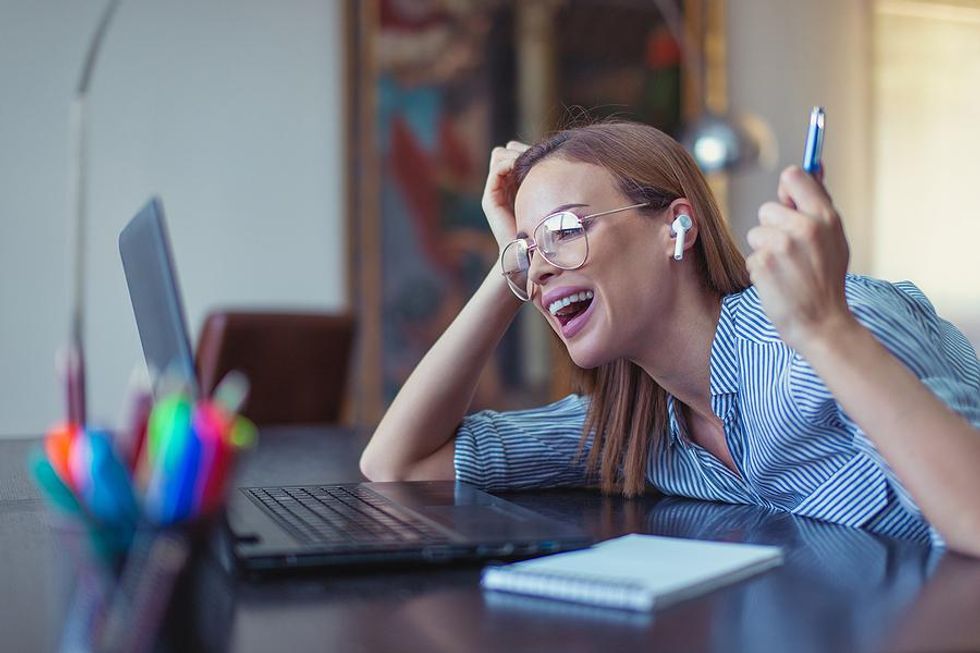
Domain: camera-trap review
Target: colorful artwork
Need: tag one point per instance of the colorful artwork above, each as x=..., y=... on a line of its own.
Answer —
x=436, y=113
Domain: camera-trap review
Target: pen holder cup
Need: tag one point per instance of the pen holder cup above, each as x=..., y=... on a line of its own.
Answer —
x=155, y=597
x=163, y=592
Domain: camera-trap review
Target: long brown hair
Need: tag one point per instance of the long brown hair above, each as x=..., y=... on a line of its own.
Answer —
x=627, y=406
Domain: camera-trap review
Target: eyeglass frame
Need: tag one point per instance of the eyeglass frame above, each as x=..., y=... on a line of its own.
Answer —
x=532, y=245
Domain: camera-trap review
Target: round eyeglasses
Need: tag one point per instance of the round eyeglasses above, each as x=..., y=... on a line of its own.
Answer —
x=562, y=241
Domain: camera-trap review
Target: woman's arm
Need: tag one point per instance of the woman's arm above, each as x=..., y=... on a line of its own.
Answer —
x=415, y=438
x=798, y=265
x=933, y=450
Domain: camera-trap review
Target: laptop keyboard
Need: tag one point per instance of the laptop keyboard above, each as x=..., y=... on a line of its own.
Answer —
x=343, y=515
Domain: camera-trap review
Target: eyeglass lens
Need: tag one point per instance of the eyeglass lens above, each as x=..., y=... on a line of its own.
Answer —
x=561, y=240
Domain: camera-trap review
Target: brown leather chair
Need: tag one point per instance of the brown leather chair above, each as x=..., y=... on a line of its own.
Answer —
x=296, y=363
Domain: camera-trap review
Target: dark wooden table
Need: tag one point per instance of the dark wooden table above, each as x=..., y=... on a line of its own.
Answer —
x=840, y=589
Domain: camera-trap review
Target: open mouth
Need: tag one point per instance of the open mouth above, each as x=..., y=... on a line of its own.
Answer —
x=568, y=308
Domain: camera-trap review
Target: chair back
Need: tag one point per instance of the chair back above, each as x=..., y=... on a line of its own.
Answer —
x=296, y=363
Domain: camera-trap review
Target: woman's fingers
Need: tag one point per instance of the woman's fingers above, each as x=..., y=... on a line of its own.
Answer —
x=777, y=248
x=777, y=214
x=799, y=256
x=495, y=193
x=802, y=191
x=502, y=160
x=500, y=155
x=806, y=231
x=501, y=163
x=820, y=237
x=787, y=276
x=818, y=242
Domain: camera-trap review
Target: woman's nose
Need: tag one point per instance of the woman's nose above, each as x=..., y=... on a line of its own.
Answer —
x=541, y=270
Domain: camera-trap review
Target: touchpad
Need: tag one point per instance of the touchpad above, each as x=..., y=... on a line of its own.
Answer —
x=476, y=519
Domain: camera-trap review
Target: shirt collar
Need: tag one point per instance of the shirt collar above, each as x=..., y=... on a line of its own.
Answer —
x=724, y=351
x=723, y=365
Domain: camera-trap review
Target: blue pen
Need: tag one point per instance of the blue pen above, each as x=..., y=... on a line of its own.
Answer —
x=813, y=150
x=111, y=500
x=109, y=494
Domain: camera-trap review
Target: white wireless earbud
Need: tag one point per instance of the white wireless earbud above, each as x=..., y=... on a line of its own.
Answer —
x=679, y=228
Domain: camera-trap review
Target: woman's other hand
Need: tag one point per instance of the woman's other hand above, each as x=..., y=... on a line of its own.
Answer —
x=496, y=201
x=799, y=259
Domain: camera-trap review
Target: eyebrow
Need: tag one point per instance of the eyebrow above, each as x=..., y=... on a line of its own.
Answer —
x=557, y=209
x=565, y=207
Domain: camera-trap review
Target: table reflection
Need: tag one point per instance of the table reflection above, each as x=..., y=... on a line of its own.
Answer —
x=839, y=589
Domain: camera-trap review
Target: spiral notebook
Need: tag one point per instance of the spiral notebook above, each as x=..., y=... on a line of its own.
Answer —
x=634, y=572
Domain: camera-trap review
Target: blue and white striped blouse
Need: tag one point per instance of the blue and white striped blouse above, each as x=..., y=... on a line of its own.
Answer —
x=795, y=448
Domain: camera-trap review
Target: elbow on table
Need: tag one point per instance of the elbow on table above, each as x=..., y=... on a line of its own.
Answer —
x=374, y=467
x=379, y=465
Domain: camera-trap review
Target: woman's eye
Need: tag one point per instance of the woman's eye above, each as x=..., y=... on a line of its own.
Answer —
x=566, y=234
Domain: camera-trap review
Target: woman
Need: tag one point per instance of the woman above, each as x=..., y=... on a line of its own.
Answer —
x=688, y=384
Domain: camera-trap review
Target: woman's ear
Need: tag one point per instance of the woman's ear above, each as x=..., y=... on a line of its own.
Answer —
x=683, y=227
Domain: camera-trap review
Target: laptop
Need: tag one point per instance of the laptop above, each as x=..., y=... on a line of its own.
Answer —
x=321, y=526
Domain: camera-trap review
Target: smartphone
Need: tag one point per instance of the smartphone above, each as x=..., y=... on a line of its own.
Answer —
x=813, y=149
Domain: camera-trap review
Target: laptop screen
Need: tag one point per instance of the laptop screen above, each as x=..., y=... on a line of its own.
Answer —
x=148, y=264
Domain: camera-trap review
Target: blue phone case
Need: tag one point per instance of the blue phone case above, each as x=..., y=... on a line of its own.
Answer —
x=814, y=141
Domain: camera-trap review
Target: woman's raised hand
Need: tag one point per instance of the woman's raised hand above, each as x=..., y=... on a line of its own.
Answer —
x=799, y=259
x=496, y=195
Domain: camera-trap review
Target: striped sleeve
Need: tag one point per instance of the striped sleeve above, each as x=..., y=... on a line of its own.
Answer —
x=523, y=449
x=954, y=372
x=905, y=322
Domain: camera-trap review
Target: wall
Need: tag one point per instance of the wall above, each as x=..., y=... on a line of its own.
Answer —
x=230, y=110
x=893, y=123
x=783, y=58
x=925, y=147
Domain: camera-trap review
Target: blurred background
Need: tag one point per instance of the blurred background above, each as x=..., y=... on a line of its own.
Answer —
x=329, y=156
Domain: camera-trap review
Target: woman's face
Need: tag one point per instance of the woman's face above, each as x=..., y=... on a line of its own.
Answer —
x=625, y=286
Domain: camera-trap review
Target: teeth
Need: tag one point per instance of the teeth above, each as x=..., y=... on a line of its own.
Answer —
x=559, y=304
